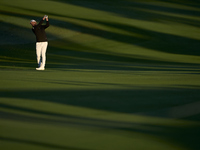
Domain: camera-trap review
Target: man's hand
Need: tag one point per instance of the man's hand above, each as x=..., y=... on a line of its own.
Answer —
x=45, y=17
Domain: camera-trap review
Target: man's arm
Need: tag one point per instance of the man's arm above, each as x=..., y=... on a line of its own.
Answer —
x=47, y=23
x=40, y=23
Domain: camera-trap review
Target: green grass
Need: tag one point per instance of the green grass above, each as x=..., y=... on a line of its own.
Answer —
x=120, y=75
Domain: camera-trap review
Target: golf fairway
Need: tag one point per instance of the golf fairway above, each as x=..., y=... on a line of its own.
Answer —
x=120, y=75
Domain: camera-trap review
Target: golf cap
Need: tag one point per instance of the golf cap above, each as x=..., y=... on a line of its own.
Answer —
x=32, y=21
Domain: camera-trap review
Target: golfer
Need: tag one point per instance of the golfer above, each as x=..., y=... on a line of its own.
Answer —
x=41, y=41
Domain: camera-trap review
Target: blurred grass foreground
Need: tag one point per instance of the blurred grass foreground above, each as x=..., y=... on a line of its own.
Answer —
x=120, y=75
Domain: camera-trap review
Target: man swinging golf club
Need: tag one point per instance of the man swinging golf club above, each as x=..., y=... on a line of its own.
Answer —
x=41, y=38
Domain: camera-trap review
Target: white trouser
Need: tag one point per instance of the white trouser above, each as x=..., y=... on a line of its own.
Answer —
x=41, y=48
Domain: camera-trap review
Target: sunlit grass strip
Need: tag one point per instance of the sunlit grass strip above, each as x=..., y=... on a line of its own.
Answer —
x=61, y=112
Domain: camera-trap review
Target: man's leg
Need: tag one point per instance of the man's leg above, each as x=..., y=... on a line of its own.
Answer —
x=38, y=52
x=44, y=49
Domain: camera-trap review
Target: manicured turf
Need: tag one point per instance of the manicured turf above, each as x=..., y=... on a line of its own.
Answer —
x=120, y=75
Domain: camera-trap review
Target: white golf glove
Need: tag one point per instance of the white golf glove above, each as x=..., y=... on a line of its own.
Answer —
x=45, y=16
